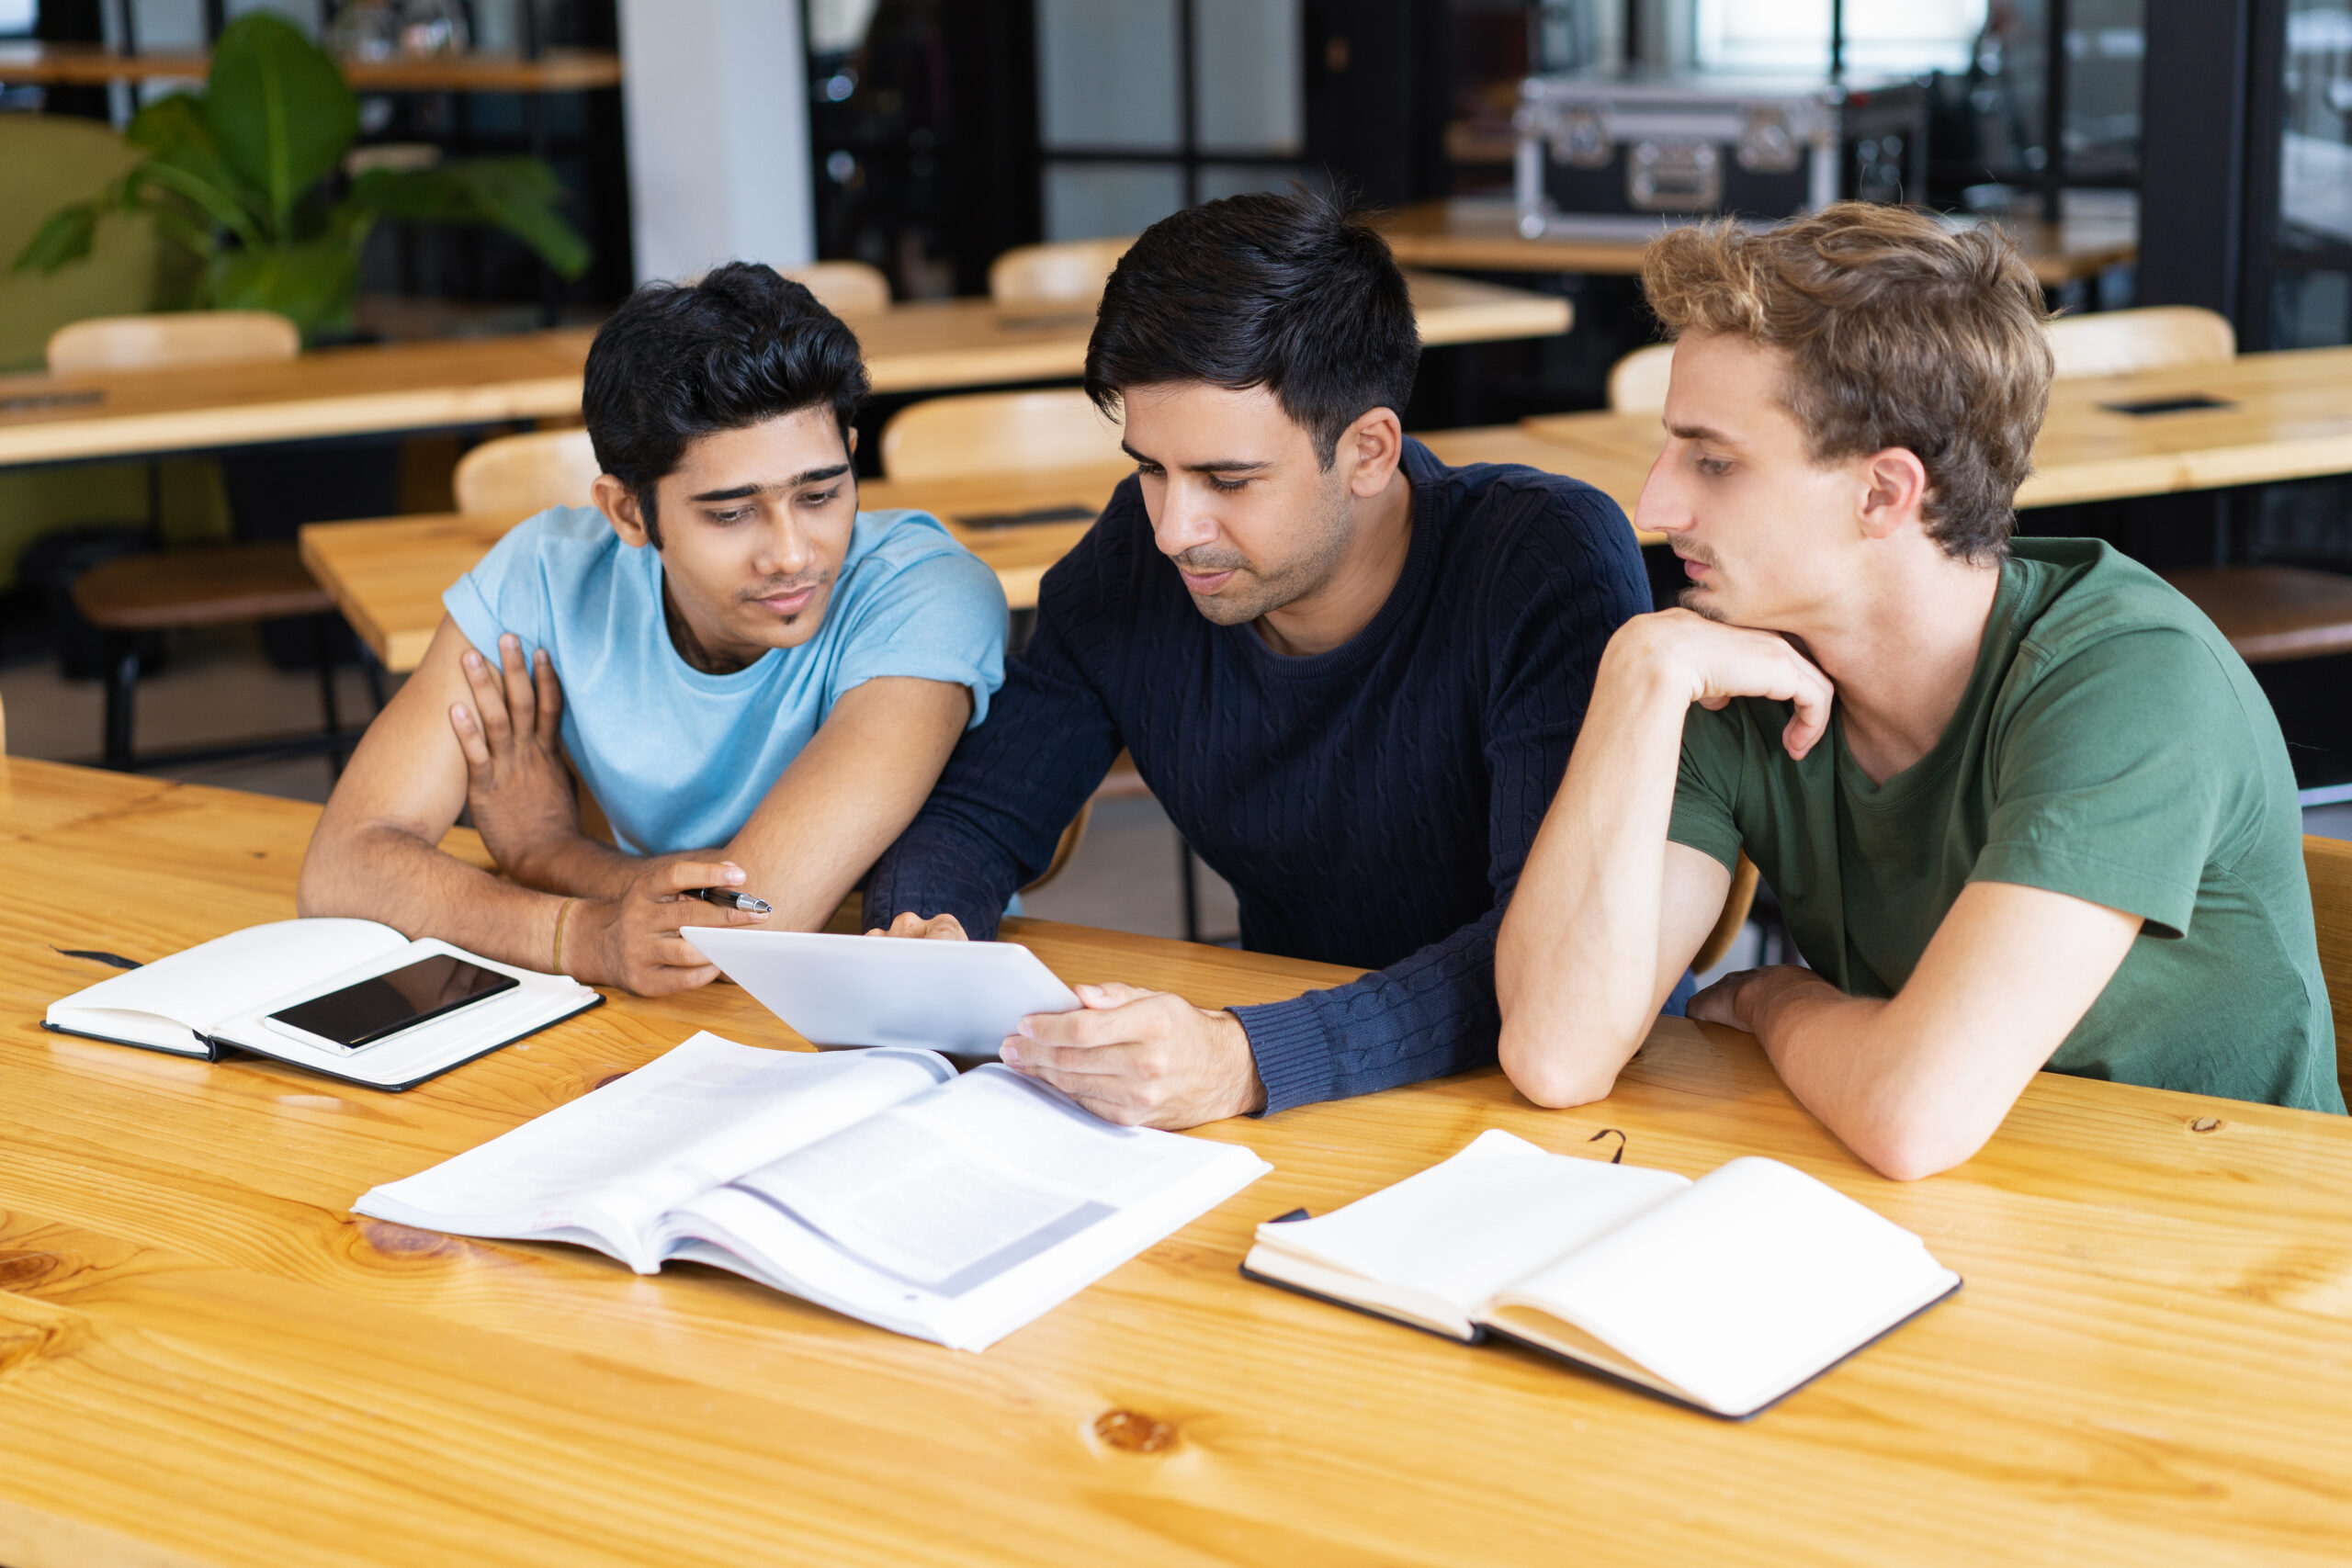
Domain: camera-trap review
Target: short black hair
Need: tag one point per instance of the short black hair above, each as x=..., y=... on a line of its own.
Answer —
x=741, y=345
x=1287, y=292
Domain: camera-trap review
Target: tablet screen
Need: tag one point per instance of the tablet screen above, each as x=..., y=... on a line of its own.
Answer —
x=384, y=1005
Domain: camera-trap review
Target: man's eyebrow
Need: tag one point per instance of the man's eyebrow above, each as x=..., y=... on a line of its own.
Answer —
x=1702, y=433
x=745, y=491
x=1220, y=465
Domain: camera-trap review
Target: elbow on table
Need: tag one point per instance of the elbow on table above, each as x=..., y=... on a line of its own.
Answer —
x=1912, y=1148
x=1559, y=1071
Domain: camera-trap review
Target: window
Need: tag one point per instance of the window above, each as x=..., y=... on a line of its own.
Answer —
x=1881, y=37
x=1135, y=126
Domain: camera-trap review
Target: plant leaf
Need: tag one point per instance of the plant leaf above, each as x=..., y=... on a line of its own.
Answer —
x=518, y=195
x=314, y=282
x=64, y=236
x=278, y=109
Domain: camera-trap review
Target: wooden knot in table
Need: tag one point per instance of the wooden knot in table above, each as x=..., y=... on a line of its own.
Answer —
x=1132, y=1432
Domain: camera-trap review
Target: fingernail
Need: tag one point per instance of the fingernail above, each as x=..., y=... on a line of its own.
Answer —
x=1009, y=1052
x=1089, y=993
x=508, y=639
x=473, y=659
x=1028, y=1033
x=734, y=873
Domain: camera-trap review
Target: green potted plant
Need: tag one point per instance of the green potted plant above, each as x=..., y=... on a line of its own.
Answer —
x=244, y=175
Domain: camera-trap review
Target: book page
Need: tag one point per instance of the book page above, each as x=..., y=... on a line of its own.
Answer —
x=1742, y=1287
x=961, y=1214
x=198, y=988
x=1470, y=1225
x=949, y=1189
x=615, y=1160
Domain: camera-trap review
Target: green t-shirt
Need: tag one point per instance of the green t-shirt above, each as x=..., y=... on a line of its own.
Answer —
x=2111, y=746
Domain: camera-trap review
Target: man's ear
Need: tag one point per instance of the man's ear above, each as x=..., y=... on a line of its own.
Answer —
x=1376, y=443
x=618, y=503
x=1897, y=490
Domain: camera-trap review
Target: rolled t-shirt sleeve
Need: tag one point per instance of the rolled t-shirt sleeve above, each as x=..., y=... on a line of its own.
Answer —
x=1706, y=781
x=2105, y=790
x=938, y=617
x=506, y=591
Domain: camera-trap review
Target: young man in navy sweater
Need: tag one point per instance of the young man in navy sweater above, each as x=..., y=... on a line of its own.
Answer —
x=1350, y=674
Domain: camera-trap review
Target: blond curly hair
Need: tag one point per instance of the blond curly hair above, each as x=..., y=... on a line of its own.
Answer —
x=1898, y=332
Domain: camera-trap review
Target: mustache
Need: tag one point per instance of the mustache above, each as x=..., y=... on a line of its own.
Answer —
x=784, y=587
x=1204, y=563
x=1690, y=549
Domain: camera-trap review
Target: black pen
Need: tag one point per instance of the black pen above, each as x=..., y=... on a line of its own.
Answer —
x=728, y=899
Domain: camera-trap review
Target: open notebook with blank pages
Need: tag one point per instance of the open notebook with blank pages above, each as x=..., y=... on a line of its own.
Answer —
x=879, y=1183
x=1725, y=1294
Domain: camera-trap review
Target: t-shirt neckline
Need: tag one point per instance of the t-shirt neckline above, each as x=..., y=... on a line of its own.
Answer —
x=1993, y=652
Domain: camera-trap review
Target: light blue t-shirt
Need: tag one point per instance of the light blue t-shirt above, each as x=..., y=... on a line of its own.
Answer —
x=677, y=758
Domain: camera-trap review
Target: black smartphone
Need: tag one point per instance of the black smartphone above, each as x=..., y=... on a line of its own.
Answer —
x=380, y=1006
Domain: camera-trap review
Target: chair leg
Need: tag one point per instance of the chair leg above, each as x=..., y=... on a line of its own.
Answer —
x=323, y=651
x=372, y=670
x=122, y=685
x=1189, y=885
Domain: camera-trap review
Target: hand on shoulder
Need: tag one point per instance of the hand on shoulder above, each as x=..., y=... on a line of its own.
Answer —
x=517, y=784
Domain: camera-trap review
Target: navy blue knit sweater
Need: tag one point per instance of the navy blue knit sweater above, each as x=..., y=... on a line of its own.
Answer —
x=1370, y=805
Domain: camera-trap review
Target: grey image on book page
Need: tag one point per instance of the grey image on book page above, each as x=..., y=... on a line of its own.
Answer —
x=951, y=1188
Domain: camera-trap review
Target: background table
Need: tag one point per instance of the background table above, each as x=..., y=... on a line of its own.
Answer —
x=916, y=348
x=204, y=1358
x=1482, y=235
x=2286, y=415
x=387, y=575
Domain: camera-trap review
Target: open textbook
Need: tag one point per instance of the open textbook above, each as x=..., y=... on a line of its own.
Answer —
x=1725, y=1293
x=249, y=991
x=879, y=1183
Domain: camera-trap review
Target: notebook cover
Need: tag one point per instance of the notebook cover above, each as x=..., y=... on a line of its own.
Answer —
x=211, y=1052
x=1477, y=1332
x=1605, y=1375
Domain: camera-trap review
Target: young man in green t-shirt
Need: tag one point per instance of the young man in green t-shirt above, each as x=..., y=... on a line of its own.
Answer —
x=2022, y=804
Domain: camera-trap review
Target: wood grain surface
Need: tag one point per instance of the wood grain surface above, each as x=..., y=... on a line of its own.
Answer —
x=205, y=1359
x=387, y=575
x=556, y=71
x=1482, y=235
x=915, y=347
x=2285, y=415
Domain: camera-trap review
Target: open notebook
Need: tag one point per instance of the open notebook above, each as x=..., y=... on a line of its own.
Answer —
x=1725, y=1293
x=879, y=1183
x=219, y=995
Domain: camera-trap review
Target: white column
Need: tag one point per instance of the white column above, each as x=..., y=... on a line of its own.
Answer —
x=715, y=100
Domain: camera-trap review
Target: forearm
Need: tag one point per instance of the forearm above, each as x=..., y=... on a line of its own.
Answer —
x=383, y=873
x=1578, y=955
x=574, y=865
x=1891, y=1089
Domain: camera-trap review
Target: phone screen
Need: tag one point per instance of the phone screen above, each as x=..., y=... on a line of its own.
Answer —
x=383, y=1006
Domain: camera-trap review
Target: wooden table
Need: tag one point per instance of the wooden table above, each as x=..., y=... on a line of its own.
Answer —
x=1482, y=235
x=204, y=1358
x=2287, y=416
x=387, y=575
x=934, y=346
x=555, y=71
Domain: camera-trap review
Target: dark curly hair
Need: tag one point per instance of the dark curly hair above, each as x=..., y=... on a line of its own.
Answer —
x=676, y=361
x=1285, y=292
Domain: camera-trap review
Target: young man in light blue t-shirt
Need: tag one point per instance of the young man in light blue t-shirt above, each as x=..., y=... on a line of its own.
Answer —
x=755, y=680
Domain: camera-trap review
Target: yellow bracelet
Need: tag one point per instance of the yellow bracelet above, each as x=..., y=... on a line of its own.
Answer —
x=560, y=911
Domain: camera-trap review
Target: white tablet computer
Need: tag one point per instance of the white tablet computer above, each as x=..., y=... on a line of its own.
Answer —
x=962, y=997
